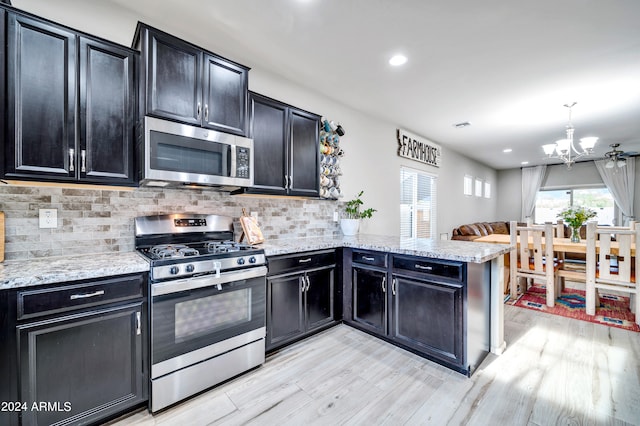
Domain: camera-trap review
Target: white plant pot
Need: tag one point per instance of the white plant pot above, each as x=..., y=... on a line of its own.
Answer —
x=349, y=226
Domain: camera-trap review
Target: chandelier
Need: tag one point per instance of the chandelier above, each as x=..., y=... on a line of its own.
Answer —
x=614, y=157
x=565, y=149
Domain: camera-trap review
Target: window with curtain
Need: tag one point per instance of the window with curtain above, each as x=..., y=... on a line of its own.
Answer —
x=417, y=204
x=550, y=202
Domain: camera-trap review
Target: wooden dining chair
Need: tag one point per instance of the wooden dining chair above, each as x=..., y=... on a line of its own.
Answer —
x=610, y=269
x=531, y=263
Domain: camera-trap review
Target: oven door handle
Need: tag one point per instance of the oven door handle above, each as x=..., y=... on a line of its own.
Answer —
x=192, y=283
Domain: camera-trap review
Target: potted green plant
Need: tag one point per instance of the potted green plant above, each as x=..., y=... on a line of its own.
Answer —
x=575, y=217
x=351, y=223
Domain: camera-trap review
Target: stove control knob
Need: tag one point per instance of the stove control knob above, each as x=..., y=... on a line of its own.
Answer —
x=190, y=268
x=174, y=270
x=252, y=259
x=241, y=261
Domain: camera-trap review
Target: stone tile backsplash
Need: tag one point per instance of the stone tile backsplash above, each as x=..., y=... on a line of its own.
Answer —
x=99, y=220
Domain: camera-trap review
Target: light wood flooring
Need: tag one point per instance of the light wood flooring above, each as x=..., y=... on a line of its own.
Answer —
x=555, y=371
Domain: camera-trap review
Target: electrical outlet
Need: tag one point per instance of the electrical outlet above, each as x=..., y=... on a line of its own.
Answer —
x=48, y=218
x=335, y=216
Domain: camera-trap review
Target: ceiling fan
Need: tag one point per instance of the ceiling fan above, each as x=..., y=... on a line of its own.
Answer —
x=617, y=157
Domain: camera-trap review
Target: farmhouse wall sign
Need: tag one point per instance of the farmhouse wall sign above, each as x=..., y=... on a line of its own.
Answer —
x=418, y=149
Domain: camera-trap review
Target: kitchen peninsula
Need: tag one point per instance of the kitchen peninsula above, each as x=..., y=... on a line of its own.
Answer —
x=487, y=255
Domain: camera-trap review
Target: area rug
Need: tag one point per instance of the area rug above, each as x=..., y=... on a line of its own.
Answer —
x=613, y=311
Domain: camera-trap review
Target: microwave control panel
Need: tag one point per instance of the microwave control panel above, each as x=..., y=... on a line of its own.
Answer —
x=242, y=162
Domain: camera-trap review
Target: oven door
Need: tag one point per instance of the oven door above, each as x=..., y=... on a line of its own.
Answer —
x=201, y=317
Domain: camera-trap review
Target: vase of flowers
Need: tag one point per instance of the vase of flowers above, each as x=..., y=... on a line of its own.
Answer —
x=575, y=217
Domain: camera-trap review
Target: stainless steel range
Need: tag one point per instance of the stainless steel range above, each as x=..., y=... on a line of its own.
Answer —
x=208, y=302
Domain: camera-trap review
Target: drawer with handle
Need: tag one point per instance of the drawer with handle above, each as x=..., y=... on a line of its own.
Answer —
x=301, y=261
x=40, y=302
x=450, y=270
x=372, y=258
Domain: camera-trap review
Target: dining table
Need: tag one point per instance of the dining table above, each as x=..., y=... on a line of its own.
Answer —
x=561, y=246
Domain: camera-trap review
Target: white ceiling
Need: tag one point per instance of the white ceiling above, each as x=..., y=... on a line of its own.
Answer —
x=506, y=66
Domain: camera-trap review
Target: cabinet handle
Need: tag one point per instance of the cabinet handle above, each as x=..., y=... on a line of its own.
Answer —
x=307, y=260
x=86, y=295
x=138, y=324
x=369, y=259
x=286, y=182
x=290, y=182
x=206, y=112
x=304, y=284
x=393, y=287
x=384, y=284
x=198, y=108
x=83, y=161
x=308, y=283
x=72, y=159
x=426, y=268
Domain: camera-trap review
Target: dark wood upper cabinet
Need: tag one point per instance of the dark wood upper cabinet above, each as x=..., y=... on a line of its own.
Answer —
x=70, y=105
x=304, y=171
x=225, y=95
x=41, y=89
x=286, y=148
x=185, y=83
x=173, y=78
x=106, y=111
x=269, y=124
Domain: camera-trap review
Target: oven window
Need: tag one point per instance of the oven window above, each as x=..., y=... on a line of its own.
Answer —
x=206, y=315
x=188, y=155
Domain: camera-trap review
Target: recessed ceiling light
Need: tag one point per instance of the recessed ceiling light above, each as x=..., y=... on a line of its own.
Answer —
x=397, y=60
x=507, y=150
x=524, y=163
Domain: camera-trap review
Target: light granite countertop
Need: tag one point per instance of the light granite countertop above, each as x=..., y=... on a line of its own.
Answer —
x=27, y=273
x=465, y=251
x=48, y=270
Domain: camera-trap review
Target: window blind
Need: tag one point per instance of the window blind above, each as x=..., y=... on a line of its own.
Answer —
x=417, y=204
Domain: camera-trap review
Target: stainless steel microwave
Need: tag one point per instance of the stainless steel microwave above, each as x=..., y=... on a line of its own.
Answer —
x=175, y=154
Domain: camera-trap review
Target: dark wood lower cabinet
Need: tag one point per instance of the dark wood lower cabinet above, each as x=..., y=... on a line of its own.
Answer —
x=428, y=316
x=301, y=296
x=424, y=305
x=285, y=317
x=370, y=299
x=81, y=368
x=73, y=353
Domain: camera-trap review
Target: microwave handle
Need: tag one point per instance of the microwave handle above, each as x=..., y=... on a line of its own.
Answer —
x=232, y=161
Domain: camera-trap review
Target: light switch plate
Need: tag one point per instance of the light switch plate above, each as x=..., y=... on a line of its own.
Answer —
x=48, y=218
x=335, y=216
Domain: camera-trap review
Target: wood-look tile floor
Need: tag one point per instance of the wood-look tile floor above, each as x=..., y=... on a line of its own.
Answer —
x=555, y=371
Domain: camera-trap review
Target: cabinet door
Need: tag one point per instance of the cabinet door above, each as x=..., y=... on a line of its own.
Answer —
x=319, y=298
x=174, y=75
x=41, y=62
x=107, y=98
x=428, y=317
x=268, y=129
x=225, y=96
x=369, y=299
x=87, y=366
x=304, y=167
x=285, y=314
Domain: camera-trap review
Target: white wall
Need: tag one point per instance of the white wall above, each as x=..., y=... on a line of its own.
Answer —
x=370, y=164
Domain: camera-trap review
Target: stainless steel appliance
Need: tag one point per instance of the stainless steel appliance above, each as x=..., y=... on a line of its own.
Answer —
x=175, y=154
x=207, y=307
